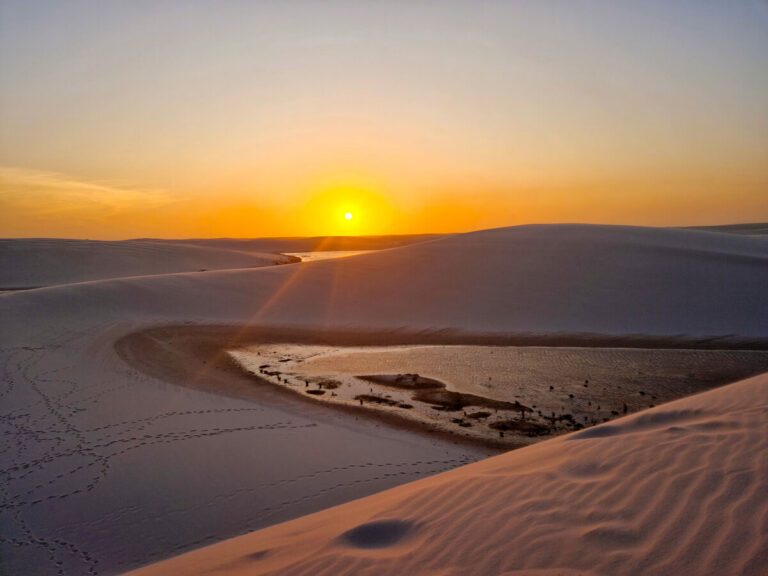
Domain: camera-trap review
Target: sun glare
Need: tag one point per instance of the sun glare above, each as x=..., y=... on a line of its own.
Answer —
x=344, y=206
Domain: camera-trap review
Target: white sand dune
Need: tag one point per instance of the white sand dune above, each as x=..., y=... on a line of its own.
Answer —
x=31, y=263
x=36, y=262
x=534, y=279
x=679, y=489
x=543, y=279
x=105, y=468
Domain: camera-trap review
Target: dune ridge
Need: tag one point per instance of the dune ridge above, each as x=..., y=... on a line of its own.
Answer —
x=610, y=280
x=32, y=263
x=35, y=262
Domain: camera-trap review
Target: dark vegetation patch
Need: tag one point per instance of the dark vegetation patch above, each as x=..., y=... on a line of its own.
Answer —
x=461, y=422
x=451, y=401
x=403, y=381
x=376, y=399
x=315, y=392
x=525, y=427
x=329, y=384
x=433, y=392
x=567, y=418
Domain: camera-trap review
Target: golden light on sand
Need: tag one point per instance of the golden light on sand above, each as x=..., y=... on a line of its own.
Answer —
x=348, y=215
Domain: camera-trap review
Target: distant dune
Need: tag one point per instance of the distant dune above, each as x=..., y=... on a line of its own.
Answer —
x=36, y=262
x=107, y=468
x=548, y=278
x=31, y=263
x=528, y=279
x=750, y=229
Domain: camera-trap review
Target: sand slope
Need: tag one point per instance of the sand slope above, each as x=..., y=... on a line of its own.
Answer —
x=540, y=279
x=679, y=489
x=30, y=263
x=543, y=279
x=35, y=262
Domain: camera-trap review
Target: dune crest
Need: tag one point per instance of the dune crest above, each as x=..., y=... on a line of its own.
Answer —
x=33, y=263
x=547, y=279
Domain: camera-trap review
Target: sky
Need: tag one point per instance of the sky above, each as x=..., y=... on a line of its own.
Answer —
x=247, y=119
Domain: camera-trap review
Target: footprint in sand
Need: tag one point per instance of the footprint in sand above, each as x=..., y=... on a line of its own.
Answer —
x=381, y=534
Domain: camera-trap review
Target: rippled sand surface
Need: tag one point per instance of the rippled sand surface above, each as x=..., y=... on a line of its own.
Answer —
x=676, y=490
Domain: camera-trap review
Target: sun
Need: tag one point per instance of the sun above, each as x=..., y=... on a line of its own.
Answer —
x=348, y=215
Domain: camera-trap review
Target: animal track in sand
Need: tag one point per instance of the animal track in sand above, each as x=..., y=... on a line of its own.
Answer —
x=51, y=456
x=54, y=451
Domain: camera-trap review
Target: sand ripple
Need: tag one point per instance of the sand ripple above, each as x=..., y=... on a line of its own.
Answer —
x=680, y=489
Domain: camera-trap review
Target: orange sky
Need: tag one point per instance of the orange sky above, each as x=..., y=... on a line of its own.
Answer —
x=275, y=119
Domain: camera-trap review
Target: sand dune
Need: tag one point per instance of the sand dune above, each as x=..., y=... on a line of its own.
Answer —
x=679, y=489
x=528, y=279
x=98, y=458
x=543, y=279
x=35, y=262
x=31, y=263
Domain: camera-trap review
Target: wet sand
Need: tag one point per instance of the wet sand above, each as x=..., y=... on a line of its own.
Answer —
x=550, y=381
x=325, y=254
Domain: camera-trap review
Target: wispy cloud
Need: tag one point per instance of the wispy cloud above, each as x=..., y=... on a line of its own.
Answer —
x=35, y=202
x=51, y=193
